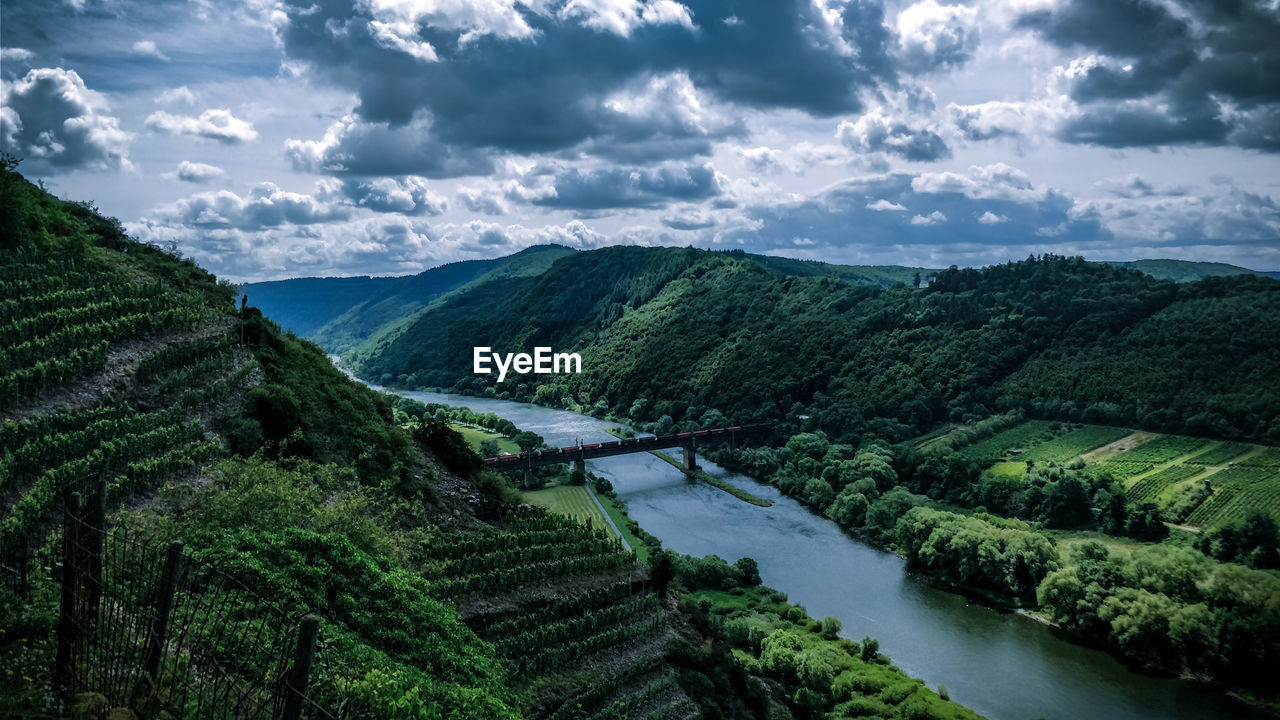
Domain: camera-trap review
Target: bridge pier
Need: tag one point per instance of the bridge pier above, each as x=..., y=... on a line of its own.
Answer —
x=580, y=466
x=690, y=459
x=528, y=478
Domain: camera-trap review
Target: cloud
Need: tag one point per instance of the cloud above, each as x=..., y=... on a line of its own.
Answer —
x=409, y=195
x=690, y=219
x=16, y=55
x=883, y=205
x=55, y=123
x=982, y=182
x=618, y=187
x=541, y=77
x=214, y=124
x=874, y=133
x=266, y=206
x=194, y=172
x=1171, y=73
x=936, y=37
x=180, y=95
x=147, y=48
x=933, y=218
x=482, y=200
x=360, y=148
x=902, y=216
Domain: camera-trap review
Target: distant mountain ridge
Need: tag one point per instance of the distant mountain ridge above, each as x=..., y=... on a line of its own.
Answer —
x=343, y=314
x=339, y=313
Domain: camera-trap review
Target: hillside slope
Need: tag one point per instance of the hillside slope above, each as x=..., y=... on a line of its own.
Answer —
x=337, y=313
x=671, y=335
x=129, y=374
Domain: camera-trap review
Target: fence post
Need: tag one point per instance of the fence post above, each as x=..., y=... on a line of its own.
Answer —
x=300, y=673
x=164, y=604
x=70, y=579
x=97, y=544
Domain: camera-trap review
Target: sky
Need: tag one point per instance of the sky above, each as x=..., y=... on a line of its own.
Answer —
x=269, y=139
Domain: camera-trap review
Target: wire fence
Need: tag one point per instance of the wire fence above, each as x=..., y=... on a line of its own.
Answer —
x=152, y=629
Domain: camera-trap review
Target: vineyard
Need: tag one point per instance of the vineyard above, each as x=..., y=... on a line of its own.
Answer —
x=127, y=432
x=562, y=603
x=1196, y=481
x=1075, y=443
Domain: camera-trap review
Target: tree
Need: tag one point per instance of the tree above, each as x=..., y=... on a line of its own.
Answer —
x=830, y=627
x=750, y=571
x=528, y=441
x=489, y=448
x=662, y=571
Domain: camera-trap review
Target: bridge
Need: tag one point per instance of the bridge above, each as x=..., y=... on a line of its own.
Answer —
x=580, y=454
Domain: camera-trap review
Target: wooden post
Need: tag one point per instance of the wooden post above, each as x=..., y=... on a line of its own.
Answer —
x=159, y=636
x=70, y=579
x=97, y=545
x=300, y=673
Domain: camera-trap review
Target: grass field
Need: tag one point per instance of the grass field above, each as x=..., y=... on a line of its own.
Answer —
x=571, y=500
x=475, y=436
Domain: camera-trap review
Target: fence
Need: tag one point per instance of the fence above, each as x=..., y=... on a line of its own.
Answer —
x=152, y=629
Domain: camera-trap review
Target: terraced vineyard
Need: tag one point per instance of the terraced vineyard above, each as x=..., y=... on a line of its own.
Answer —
x=1236, y=491
x=565, y=606
x=162, y=358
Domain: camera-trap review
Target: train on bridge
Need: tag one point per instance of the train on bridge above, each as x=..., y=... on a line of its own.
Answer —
x=578, y=454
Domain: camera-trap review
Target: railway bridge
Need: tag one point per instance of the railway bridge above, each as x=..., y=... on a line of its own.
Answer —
x=579, y=454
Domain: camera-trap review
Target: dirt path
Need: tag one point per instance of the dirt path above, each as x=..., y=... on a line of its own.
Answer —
x=1128, y=442
x=115, y=378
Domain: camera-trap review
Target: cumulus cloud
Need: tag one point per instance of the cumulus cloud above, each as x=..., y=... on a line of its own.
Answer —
x=265, y=206
x=876, y=133
x=194, y=172
x=552, y=76
x=935, y=37
x=990, y=218
x=214, y=124
x=933, y=218
x=353, y=146
x=883, y=205
x=982, y=182
x=409, y=195
x=180, y=95
x=603, y=188
x=55, y=123
x=1170, y=73
x=482, y=200
x=147, y=48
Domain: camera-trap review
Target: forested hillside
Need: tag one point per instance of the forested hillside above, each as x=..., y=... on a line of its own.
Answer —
x=338, y=313
x=681, y=337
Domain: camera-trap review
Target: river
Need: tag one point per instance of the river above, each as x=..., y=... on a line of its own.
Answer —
x=1003, y=665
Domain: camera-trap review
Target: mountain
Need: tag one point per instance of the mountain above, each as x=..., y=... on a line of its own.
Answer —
x=688, y=336
x=1187, y=271
x=338, y=313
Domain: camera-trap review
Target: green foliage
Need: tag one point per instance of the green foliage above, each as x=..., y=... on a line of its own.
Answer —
x=756, y=639
x=306, y=408
x=976, y=553
x=1173, y=609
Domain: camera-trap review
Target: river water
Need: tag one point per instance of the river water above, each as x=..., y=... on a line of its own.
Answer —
x=1003, y=665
